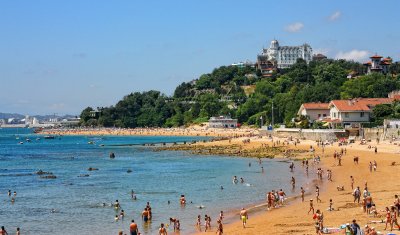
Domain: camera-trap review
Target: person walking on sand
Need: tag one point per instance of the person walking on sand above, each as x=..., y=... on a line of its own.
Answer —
x=302, y=191
x=220, y=229
x=133, y=228
x=244, y=217
x=293, y=181
x=317, y=194
x=388, y=217
x=397, y=203
x=393, y=218
x=352, y=182
x=311, y=207
x=357, y=195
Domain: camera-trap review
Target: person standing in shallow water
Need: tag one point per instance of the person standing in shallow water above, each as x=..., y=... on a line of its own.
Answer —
x=3, y=231
x=162, y=230
x=133, y=228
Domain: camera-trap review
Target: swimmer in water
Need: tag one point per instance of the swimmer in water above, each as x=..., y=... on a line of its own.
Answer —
x=117, y=206
x=15, y=193
x=122, y=214
x=241, y=180
x=235, y=180
x=222, y=188
x=9, y=193
x=116, y=218
x=182, y=200
x=133, y=195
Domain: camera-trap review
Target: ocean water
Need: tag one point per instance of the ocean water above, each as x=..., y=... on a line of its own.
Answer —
x=156, y=177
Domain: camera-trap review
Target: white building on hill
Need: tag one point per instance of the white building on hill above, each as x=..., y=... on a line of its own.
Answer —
x=285, y=56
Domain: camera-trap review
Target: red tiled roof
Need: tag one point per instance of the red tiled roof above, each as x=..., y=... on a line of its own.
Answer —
x=316, y=105
x=367, y=63
x=376, y=56
x=360, y=104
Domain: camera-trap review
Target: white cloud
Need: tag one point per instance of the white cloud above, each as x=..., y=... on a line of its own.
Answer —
x=295, y=27
x=356, y=55
x=336, y=15
x=323, y=51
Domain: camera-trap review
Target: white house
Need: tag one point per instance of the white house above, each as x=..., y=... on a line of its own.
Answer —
x=354, y=111
x=314, y=111
x=222, y=122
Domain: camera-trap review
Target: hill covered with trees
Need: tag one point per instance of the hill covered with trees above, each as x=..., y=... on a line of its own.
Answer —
x=242, y=93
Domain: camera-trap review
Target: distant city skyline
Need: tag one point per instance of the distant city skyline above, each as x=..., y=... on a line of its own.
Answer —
x=62, y=56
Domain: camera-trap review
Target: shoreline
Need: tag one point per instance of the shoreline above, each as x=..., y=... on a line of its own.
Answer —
x=190, y=131
x=293, y=219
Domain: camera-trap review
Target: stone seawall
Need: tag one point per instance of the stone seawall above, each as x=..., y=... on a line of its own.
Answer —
x=320, y=134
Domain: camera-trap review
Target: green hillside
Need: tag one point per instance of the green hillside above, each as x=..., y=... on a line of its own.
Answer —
x=221, y=93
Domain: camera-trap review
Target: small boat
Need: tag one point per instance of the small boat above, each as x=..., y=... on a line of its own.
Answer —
x=48, y=137
x=28, y=140
x=90, y=142
x=21, y=142
x=38, y=138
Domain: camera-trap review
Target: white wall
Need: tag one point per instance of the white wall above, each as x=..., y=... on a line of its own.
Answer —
x=312, y=114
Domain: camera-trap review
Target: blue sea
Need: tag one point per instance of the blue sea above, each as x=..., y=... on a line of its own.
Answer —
x=156, y=177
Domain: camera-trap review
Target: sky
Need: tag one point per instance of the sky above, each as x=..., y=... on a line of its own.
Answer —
x=62, y=56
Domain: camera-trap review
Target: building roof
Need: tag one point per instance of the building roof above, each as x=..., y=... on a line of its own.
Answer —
x=316, y=105
x=359, y=104
x=376, y=56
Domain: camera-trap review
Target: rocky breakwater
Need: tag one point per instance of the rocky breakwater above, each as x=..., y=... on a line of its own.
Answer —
x=234, y=150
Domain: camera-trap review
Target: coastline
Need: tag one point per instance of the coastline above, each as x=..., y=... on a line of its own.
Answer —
x=293, y=218
x=191, y=131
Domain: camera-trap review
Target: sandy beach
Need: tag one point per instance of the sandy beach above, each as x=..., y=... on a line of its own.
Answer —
x=294, y=219
x=190, y=131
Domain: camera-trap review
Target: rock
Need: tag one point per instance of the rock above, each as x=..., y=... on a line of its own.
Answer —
x=48, y=177
x=129, y=171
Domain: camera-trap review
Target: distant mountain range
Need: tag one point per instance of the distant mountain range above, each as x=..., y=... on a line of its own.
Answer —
x=40, y=117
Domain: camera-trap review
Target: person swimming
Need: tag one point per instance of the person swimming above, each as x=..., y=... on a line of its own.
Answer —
x=235, y=180
x=182, y=200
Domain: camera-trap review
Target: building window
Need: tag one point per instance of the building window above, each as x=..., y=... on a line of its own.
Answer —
x=346, y=115
x=334, y=115
x=324, y=115
x=362, y=114
x=319, y=115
